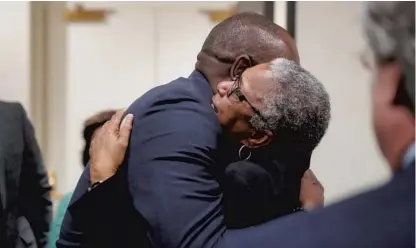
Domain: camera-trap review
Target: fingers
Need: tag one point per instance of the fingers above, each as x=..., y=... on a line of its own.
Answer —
x=312, y=175
x=125, y=129
x=309, y=175
x=96, y=136
x=115, y=120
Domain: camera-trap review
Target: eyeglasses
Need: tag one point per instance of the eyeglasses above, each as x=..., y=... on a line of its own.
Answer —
x=236, y=90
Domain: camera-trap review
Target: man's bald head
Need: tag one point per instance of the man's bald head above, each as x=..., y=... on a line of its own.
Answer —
x=247, y=34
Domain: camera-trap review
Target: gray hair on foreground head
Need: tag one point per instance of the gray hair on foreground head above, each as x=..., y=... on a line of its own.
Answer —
x=297, y=109
x=390, y=31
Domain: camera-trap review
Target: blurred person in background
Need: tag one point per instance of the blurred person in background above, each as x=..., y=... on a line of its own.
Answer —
x=381, y=217
x=25, y=204
x=91, y=125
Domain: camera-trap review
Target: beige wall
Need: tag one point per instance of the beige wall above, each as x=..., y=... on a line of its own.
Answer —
x=329, y=39
x=14, y=52
x=21, y=58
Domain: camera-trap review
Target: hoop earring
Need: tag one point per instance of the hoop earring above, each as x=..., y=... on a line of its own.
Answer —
x=241, y=150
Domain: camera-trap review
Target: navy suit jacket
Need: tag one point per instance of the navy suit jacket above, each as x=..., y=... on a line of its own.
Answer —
x=172, y=167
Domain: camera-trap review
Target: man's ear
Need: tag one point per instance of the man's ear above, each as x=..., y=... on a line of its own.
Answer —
x=240, y=65
x=389, y=77
x=403, y=97
x=258, y=139
x=392, y=81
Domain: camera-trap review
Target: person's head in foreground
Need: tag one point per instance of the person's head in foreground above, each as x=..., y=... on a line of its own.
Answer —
x=91, y=126
x=390, y=33
x=240, y=42
x=277, y=104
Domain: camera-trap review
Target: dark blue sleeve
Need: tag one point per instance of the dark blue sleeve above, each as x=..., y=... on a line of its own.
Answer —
x=72, y=232
x=170, y=172
x=94, y=219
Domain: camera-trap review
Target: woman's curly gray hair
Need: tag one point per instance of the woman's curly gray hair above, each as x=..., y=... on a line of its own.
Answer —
x=297, y=109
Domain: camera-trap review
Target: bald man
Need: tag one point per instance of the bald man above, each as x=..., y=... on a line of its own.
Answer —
x=174, y=162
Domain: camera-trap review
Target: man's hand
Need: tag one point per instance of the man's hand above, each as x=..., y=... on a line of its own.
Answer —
x=108, y=146
x=311, y=191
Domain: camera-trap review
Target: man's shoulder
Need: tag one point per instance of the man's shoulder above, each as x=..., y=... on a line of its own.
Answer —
x=11, y=112
x=179, y=110
x=180, y=87
x=180, y=95
x=10, y=108
x=383, y=217
x=373, y=205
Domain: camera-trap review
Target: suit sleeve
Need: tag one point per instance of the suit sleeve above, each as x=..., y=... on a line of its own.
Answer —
x=90, y=215
x=170, y=171
x=34, y=186
x=72, y=232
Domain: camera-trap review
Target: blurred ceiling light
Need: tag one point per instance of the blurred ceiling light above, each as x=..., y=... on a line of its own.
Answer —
x=80, y=14
x=216, y=16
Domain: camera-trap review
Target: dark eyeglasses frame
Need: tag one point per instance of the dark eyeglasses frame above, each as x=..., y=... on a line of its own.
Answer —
x=235, y=89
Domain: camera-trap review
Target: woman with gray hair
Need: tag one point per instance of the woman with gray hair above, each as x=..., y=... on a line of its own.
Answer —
x=277, y=113
x=275, y=104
